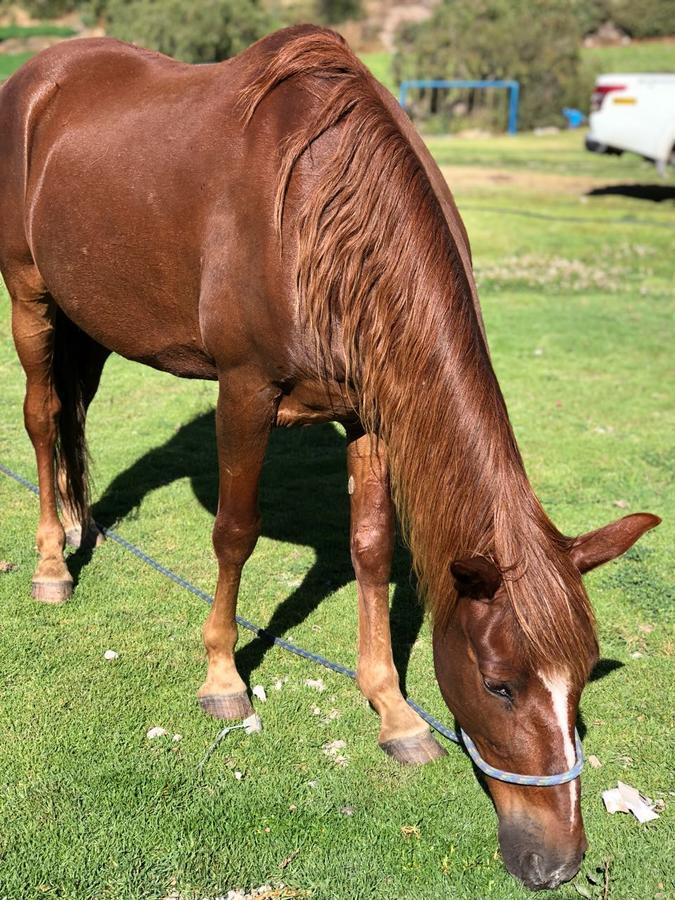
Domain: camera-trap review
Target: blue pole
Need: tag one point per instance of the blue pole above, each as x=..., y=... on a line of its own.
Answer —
x=403, y=94
x=514, y=96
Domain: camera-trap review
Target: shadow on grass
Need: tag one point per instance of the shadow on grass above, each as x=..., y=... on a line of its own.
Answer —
x=303, y=500
x=655, y=193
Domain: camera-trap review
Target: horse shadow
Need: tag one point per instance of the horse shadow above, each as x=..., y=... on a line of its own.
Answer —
x=303, y=501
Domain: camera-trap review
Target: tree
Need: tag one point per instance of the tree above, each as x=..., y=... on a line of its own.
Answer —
x=48, y=9
x=648, y=18
x=200, y=31
x=334, y=11
x=487, y=39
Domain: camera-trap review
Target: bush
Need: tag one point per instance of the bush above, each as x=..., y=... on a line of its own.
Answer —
x=48, y=9
x=648, y=18
x=490, y=39
x=331, y=12
x=200, y=31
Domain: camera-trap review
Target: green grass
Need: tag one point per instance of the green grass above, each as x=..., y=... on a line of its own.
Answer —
x=648, y=56
x=44, y=29
x=580, y=319
x=559, y=154
x=10, y=62
x=379, y=63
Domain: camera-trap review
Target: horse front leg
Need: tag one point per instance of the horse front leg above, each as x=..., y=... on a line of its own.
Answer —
x=244, y=418
x=403, y=734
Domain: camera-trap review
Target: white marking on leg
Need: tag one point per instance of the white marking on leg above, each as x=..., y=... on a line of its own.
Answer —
x=558, y=688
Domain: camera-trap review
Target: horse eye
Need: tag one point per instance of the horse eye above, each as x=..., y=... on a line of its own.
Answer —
x=498, y=688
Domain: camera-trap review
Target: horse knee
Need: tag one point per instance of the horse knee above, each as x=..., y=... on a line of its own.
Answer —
x=371, y=549
x=234, y=540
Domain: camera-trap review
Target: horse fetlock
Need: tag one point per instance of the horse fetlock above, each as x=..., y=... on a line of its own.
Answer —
x=86, y=540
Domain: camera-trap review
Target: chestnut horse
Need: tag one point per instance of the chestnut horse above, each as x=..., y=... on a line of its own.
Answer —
x=275, y=223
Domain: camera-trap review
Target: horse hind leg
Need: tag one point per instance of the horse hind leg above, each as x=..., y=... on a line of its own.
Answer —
x=403, y=735
x=78, y=365
x=33, y=328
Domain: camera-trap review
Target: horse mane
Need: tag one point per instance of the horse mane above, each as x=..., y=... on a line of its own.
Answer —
x=378, y=268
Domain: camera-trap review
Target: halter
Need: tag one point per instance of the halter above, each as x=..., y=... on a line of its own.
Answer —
x=529, y=780
x=500, y=774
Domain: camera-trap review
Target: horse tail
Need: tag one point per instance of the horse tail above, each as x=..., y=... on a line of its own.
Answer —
x=69, y=375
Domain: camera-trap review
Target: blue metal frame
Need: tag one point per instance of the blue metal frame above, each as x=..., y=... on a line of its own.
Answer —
x=513, y=87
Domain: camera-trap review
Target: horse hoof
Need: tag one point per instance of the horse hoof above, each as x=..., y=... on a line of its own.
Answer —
x=414, y=750
x=227, y=706
x=52, y=591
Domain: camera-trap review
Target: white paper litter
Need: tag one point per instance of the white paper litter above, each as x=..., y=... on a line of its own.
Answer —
x=625, y=798
x=259, y=692
x=156, y=732
x=253, y=724
x=238, y=775
x=280, y=682
x=316, y=684
x=111, y=654
x=176, y=738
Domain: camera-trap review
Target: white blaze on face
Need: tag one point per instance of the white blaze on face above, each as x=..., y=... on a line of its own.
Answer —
x=558, y=687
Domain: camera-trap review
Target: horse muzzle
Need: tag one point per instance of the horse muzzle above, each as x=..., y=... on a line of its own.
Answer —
x=538, y=865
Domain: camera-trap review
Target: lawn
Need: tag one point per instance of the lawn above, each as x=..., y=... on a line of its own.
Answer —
x=577, y=293
x=639, y=56
x=44, y=29
x=10, y=62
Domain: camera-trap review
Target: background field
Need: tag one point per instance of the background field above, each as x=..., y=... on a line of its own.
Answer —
x=578, y=299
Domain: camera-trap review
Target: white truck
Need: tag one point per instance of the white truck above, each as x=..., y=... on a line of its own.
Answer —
x=635, y=113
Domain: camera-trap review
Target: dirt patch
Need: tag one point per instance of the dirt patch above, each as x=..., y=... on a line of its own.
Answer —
x=471, y=177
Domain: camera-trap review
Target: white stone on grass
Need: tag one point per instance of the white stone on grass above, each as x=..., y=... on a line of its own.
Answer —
x=156, y=732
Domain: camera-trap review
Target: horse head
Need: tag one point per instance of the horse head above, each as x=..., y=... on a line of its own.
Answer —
x=520, y=710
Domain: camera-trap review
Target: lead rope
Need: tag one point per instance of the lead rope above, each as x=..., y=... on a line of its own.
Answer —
x=432, y=721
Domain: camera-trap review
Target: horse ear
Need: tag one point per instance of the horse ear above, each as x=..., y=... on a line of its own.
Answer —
x=477, y=578
x=600, y=546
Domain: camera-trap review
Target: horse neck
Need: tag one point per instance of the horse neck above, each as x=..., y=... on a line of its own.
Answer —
x=457, y=473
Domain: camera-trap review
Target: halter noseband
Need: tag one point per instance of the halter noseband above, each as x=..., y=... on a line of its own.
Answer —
x=529, y=780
